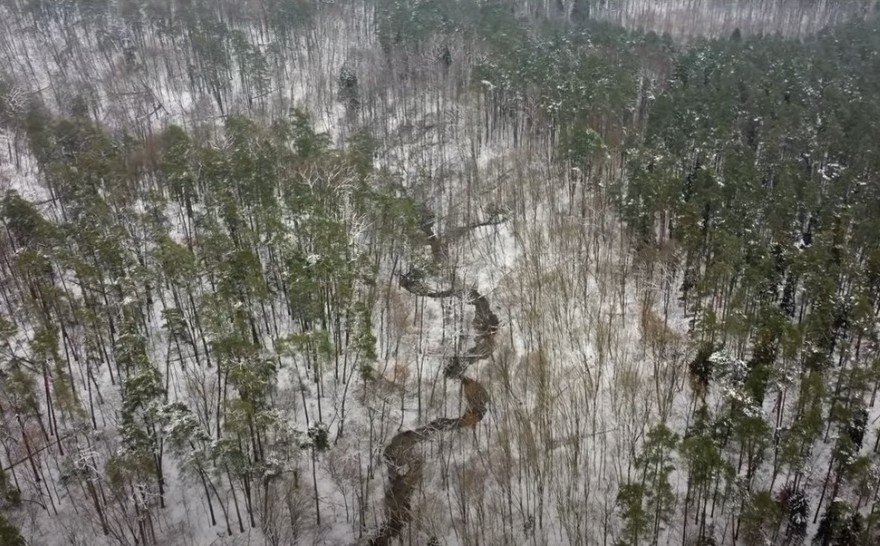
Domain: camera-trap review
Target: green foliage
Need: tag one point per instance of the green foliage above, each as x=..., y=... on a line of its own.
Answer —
x=24, y=222
x=127, y=467
x=250, y=371
x=732, y=153
x=9, y=533
x=347, y=84
x=174, y=165
x=361, y=148
x=46, y=348
x=704, y=458
x=228, y=455
x=795, y=507
x=580, y=145
x=572, y=70
x=307, y=142
x=319, y=437
x=288, y=16
x=809, y=423
x=9, y=494
x=648, y=502
x=761, y=516
x=405, y=23
x=176, y=262
x=630, y=500
x=20, y=388
x=757, y=157
x=839, y=525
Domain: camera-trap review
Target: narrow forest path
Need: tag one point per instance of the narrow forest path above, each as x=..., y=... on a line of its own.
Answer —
x=404, y=461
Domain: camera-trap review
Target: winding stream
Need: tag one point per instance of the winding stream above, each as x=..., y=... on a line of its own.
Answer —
x=403, y=459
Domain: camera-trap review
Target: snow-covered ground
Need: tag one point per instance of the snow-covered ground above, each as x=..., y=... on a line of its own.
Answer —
x=589, y=357
x=690, y=19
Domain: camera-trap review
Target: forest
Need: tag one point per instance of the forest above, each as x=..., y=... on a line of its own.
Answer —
x=439, y=272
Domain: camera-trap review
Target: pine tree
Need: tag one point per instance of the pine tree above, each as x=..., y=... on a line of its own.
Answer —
x=9, y=533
